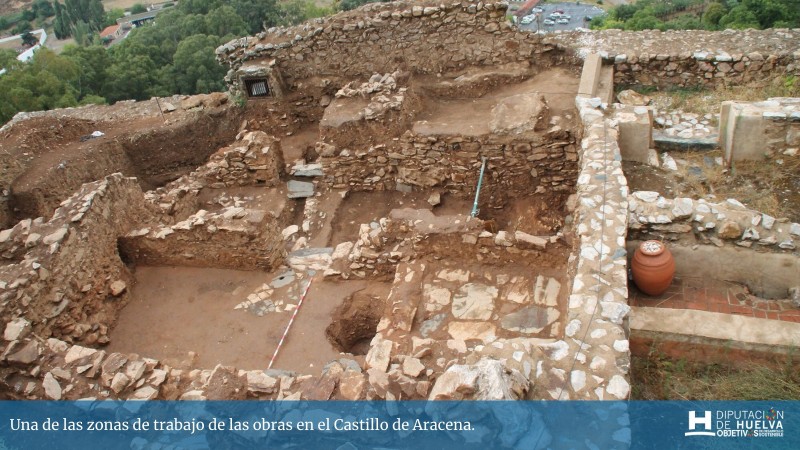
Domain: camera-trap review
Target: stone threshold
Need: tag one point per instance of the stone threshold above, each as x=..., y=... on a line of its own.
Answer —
x=715, y=329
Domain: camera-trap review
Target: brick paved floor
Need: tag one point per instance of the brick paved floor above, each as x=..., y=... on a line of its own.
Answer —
x=716, y=296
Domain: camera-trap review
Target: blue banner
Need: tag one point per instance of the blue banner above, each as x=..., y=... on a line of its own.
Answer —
x=402, y=424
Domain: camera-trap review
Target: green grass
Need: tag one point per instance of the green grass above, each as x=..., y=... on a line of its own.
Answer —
x=657, y=377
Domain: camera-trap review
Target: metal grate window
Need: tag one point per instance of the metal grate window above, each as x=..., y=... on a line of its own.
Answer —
x=257, y=87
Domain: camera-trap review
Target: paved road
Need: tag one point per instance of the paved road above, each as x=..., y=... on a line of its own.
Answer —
x=578, y=12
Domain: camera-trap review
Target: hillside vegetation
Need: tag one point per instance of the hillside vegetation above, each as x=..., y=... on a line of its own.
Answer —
x=175, y=55
x=702, y=15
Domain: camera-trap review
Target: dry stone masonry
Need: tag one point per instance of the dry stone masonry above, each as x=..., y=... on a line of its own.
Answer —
x=474, y=308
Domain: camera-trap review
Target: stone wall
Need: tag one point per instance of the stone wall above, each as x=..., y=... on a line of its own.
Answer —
x=234, y=238
x=418, y=36
x=598, y=302
x=428, y=37
x=61, y=274
x=651, y=216
x=691, y=57
x=255, y=158
x=519, y=165
x=154, y=150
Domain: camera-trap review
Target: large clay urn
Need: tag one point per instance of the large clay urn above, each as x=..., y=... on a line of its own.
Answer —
x=653, y=267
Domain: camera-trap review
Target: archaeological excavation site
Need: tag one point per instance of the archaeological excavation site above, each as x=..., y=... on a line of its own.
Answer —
x=444, y=207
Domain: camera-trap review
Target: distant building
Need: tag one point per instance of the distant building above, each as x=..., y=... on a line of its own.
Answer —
x=110, y=33
x=137, y=20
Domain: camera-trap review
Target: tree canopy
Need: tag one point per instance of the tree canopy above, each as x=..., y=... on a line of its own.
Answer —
x=700, y=14
x=173, y=55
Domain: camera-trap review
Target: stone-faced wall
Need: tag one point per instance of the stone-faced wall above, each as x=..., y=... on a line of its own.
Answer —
x=598, y=302
x=61, y=273
x=234, y=238
x=701, y=222
x=689, y=58
x=536, y=163
x=419, y=36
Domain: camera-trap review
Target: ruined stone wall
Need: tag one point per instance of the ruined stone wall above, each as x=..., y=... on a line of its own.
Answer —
x=234, y=238
x=689, y=58
x=256, y=158
x=419, y=36
x=60, y=274
x=156, y=154
x=531, y=164
x=702, y=222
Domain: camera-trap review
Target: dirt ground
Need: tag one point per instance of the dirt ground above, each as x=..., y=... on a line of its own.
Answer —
x=366, y=207
x=297, y=145
x=467, y=116
x=176, y=310
x=10, y=6
x=770, y=186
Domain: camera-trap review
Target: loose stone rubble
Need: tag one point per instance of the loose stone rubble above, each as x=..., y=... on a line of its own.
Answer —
x=477, y=308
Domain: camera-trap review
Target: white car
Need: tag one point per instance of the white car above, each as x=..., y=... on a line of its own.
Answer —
x=549, y=22
x=562, y=21
x=555, y=15
x=537, y=10
x=526, y=20
x=566, y=16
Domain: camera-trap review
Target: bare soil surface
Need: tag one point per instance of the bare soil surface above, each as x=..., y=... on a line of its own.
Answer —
x=252, y=197
x=643, y=177
x=468, y=116
x=366, y=207
x=176, y=310
x=70, y=149
x=11, y=6
x=770, y=186
x=299, y=144
x=536, y=214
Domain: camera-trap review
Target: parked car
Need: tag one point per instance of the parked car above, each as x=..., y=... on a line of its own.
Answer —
x=537, y=10
x=566, y=16
x=526, y=20
x=562, y=21
x=549, y=22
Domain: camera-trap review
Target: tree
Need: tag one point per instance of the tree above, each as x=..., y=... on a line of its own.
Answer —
x=113, y=15
x=257, y=14
x=347, y=5
x=195, y=68
x=224, y=21
x=43, y=9
x=133, y=78
x=741, y=18
x=22, y=27
x=8, y=59
x=28, y=39
x=61, y=24
x=712, y=15
x=770, y=12
x=90, y=12
x=82, y=33
x=92, y=62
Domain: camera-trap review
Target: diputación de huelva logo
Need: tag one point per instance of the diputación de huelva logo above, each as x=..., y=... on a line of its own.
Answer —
x=736, y=423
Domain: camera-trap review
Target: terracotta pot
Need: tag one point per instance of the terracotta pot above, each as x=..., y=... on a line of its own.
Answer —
x=653, y=267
